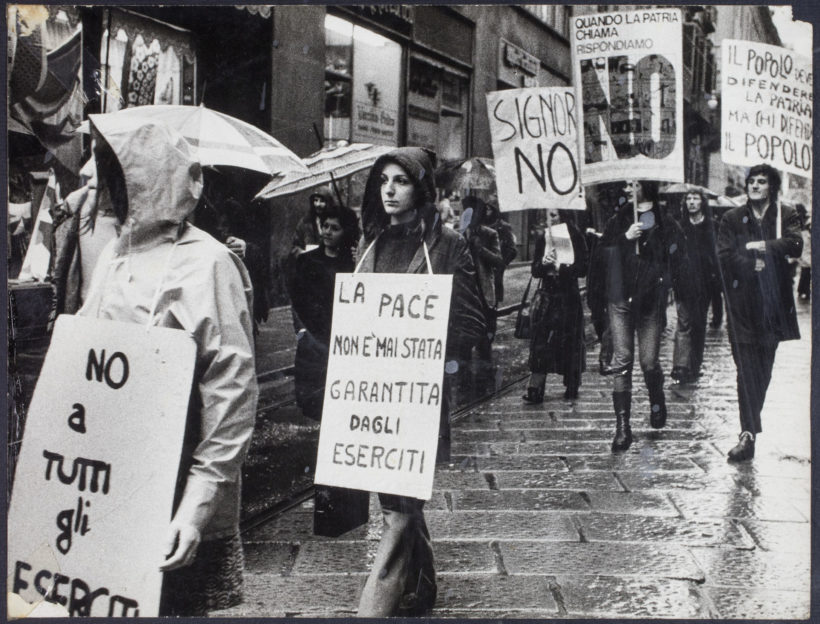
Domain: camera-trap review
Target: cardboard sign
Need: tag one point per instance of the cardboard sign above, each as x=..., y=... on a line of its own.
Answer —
x=535, y=148
x=557, y=238
x=628, y=70
x=94, y=486
x=767, y=107
x=384, y=383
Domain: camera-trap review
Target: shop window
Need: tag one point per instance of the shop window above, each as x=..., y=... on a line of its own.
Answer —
x=437, y=109
x=145, y=62
x=362, y=84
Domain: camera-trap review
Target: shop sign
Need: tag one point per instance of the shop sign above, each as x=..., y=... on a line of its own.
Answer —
x=89, y=516
x=374, y=124
x=397, y=17
x=535, y=146
x=628, y=70
x=384, y=389
x=767, y=107
x=516, y=57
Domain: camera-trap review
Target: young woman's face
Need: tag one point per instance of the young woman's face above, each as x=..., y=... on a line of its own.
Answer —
x=332, y=233
x=757, y=188
x=693, y=203
x=634, y=191
x=398, y=193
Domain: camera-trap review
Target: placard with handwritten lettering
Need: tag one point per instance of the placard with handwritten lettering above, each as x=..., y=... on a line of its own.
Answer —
x=94, y=485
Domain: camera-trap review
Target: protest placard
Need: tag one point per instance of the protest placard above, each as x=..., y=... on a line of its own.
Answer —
x=89, y=512
x=384, y=391
x=767, y=107
x=557, y=239
x=628, y=69
x=535, y=146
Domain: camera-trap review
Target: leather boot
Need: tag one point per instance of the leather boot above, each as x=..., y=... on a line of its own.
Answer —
x=622, y=401
x=534, y=396
x=744, y=449
x=657, y=399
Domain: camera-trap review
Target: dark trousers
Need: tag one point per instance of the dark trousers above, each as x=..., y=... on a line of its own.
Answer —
x=754, y=372
x=716, y=296
x=690, y=335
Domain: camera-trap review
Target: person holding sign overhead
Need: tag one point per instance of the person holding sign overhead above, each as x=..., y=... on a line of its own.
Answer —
x=557, y=338
x=402, y=235
x=641, y=253
x=162, y=271
x=755, y=243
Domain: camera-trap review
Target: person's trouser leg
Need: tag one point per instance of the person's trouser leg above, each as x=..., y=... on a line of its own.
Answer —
x=716, y=297
x=404, y=559
x=649, y=330
x=682, y=354
x=754, y=372
x=622, y=332
x=698, y=335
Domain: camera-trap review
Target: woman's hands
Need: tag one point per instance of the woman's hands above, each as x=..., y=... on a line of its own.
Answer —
x=634, y=232
x=181, y=545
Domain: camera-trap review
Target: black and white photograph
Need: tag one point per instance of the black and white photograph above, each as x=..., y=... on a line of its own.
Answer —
x=491, y=311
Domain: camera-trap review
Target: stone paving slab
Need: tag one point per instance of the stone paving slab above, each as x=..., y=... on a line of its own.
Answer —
x=759, y=603
x=557, y=481
x=635, y=481
x=617, y=527
x=466, y=557
x=617, y=597
x=740, y=504
x=457, y=479
x=784, y=537
x=497, y=595
x=336, y=557
x=651, y=462
x=543, y=500
x=502, y=526
x=547, y=463
x=644, y=503
x=746, y=569
x=609, y=559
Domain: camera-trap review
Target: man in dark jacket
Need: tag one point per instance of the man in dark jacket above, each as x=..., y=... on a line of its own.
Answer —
x=755, y=243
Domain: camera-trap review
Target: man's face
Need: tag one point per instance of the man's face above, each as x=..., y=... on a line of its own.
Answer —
x=319, y=203
x=634, y=191
x=693, y=203
x=757, y=187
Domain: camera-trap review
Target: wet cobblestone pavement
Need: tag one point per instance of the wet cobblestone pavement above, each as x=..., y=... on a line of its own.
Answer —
x=535, y=517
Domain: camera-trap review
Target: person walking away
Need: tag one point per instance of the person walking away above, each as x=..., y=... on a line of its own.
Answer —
x=755, y=243
x=557, y=334
x=400, y=233
x=506, y=240
x=642, y=256
x=163, y=271
x=695, y=288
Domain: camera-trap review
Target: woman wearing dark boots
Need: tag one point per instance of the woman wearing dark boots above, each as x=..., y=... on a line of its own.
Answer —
x=557, y=336
x=641, y=256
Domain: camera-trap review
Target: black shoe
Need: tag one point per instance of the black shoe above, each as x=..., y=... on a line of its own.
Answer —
x=622, y=401
x=657, y=399
x=680, y=374
x=571, y=393
x=534, y=396
x=418, y=604
x=744, y=449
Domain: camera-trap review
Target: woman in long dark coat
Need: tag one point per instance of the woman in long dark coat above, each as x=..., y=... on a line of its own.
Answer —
x=557, y=334
x=401, y=231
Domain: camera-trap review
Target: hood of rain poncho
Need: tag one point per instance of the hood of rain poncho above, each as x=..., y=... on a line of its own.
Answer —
x=420, y=164
x=162, y=178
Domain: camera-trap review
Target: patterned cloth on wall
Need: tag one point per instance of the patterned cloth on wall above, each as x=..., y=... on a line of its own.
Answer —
x=142, y=77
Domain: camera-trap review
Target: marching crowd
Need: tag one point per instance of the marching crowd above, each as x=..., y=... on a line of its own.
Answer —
x=159, y=269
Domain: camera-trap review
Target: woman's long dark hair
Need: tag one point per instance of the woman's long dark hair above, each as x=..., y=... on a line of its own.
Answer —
x=350, y=228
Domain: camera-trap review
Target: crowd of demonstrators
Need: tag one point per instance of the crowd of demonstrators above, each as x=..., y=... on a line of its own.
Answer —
x=694, y=292
x=755, y=243
x=557, y=315
x=163, y=271
x=402, y=234
x=641, y=257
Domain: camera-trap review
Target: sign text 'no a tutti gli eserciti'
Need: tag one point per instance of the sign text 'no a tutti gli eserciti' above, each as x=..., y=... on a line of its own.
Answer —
x=535, y=144
x=767, y=106
x=94, y=484
x=628, y=70
x=384, y=389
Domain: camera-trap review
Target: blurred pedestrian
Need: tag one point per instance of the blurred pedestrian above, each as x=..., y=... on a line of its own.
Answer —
x=695, y=287
x=804, y=262
x=642, y=255
x=310, y=286
x=506, y=240
x=557, y=314
x=163, y=271
x=755, y=243
x=596, y=298
x=402, y=235
x=307, y=234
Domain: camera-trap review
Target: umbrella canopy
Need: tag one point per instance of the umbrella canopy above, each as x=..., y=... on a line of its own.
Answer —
x=323, y=166
x=721, y=201
x=686, y=187
x=220, y=139
x=475, y=173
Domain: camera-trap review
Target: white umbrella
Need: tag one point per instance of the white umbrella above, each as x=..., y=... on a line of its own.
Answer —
x=326, y=165
x=220, y=139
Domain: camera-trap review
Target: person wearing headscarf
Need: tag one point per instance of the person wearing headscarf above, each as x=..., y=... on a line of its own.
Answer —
x=642, y=255
x=401, y=230
x=308, y=230
x=163, y=271
x=755, y=243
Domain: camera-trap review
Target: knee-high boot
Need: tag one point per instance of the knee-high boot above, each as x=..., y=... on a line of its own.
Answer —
x=622, y=401
x=657, y=399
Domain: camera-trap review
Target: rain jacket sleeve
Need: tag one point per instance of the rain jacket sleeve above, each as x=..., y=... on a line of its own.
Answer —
x=226, y=383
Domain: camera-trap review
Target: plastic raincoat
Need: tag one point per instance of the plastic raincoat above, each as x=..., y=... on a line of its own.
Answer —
x=163, y=271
